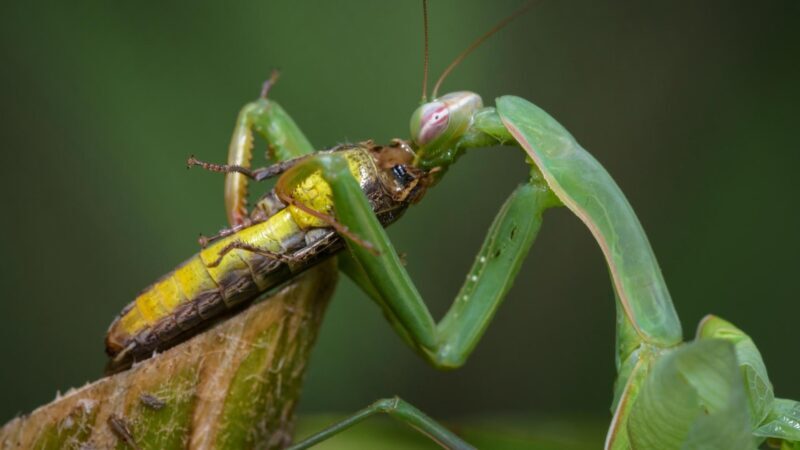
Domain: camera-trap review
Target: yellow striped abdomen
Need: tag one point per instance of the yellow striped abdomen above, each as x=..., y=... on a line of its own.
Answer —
x=197, y=291
x=315, y=193
x=194, y=291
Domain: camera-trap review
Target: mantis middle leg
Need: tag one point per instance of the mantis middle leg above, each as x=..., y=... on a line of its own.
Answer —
x=396, y=408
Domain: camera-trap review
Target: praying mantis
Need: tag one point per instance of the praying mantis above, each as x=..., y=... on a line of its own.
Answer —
x=711, y=393
x=531, y=388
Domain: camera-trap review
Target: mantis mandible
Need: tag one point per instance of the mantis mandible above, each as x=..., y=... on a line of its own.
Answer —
x=727, y=401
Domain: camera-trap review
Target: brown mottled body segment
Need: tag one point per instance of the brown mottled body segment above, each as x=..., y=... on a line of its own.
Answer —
x=216, y=282
x=152, y=402
x=122, y=430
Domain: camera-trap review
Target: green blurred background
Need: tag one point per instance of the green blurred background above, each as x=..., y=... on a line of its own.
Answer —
x=691, y=106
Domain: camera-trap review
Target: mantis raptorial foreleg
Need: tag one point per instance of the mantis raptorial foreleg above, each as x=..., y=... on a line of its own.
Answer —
x=284, y=138
x=448, y=343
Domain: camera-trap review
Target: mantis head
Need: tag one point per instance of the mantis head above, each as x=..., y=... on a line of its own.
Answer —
x=438, y=126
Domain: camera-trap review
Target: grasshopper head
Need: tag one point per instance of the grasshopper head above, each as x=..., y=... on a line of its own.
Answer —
x=437, y=126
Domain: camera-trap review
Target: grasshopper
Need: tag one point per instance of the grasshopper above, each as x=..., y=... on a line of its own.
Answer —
x=715, y=391
x=258, y=253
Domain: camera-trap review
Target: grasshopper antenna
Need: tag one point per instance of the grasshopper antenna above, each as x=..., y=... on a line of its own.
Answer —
x=476, y=43
x=425, y=63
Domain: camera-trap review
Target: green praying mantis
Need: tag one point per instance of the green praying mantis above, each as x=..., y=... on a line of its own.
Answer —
x=710, y=393
x=639, y=421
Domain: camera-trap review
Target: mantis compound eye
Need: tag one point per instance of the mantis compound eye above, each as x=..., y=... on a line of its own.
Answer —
x=434, y=119
x=438, y=125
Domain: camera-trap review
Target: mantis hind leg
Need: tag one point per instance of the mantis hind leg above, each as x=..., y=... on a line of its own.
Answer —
x=397, y=409
x=266, y=118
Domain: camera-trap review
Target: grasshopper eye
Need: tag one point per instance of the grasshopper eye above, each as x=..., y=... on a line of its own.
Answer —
x=401, y=174
x=434, y=120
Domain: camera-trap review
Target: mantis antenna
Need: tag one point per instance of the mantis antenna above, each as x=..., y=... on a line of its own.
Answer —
x=425, y=64
x=477, y=42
